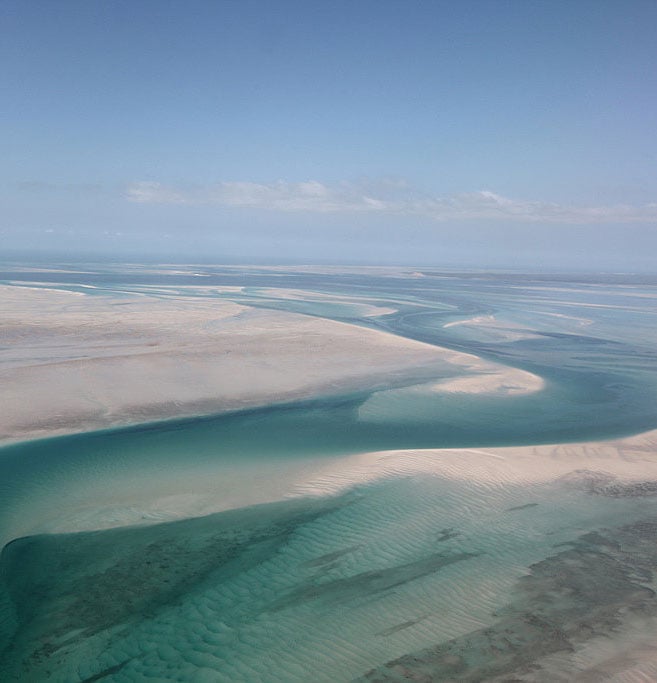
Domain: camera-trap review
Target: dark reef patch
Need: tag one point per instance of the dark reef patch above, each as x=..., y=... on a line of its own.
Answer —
x=578, y=594
x=65, y=588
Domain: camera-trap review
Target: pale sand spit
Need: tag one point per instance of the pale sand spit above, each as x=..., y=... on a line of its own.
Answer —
x=616, y=467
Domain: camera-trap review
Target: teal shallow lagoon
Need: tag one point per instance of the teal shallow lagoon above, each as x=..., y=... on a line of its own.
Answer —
x=306, y=590
x=252, y=612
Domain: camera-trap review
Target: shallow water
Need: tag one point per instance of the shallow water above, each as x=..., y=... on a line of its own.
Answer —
x=305, y=590
x=327, y=588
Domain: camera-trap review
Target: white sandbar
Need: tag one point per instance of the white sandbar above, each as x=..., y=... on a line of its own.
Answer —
x=73, y=362
x=630, y=460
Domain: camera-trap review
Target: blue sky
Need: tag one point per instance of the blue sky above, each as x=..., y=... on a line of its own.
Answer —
x=483, y=132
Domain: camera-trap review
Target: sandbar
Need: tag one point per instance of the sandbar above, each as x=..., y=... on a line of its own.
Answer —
x=625, y=467
x=75, y=361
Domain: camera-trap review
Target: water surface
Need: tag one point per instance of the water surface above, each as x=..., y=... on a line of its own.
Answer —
x=330, y=588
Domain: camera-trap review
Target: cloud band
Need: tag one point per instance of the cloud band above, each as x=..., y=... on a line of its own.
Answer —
x=385, y=198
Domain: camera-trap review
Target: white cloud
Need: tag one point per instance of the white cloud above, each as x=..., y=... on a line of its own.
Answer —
x=392, y=197
x=280, y=196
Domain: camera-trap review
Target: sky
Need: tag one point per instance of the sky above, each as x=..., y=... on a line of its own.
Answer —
x=470, y=133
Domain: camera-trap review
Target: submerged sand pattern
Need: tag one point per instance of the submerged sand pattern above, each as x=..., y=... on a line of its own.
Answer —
x=347, y=580
x=559, y=625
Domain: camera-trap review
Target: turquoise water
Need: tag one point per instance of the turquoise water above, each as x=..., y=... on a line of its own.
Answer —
x=330, y=587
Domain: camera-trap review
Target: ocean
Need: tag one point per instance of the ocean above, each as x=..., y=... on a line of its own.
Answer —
x=268, y=545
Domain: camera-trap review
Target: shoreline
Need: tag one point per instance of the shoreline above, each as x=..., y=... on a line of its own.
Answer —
x=614, y=468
